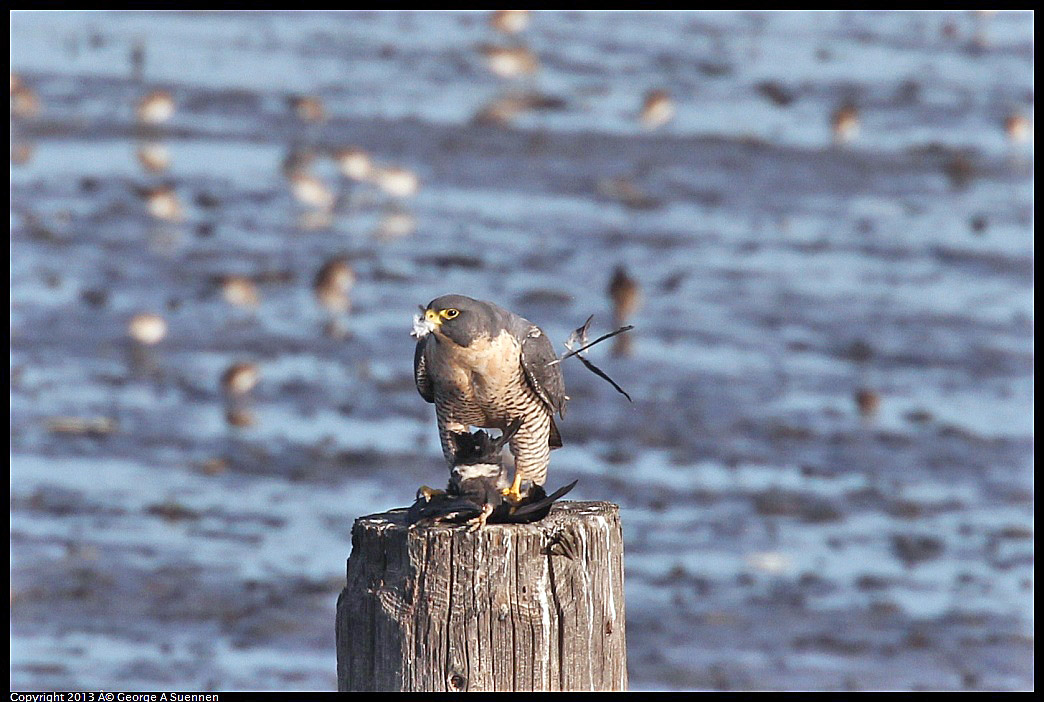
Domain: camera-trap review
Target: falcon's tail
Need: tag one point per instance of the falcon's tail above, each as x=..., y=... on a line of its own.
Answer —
x=555, y=439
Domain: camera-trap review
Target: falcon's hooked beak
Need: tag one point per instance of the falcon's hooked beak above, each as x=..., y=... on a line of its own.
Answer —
x=432, y=318
x=425, y=323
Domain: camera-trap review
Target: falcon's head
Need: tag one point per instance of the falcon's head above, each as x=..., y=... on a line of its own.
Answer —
x=459, y=319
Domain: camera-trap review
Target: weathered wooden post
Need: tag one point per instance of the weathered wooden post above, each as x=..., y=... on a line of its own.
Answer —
x=509, y=607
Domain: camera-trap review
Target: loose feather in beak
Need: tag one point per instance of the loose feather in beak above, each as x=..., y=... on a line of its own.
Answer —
x=422, y=326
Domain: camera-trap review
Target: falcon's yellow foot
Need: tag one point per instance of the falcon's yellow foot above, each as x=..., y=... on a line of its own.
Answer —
x=513, y=493
x=426, y=493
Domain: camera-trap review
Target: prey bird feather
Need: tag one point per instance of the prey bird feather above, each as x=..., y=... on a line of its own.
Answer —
x=579, y=337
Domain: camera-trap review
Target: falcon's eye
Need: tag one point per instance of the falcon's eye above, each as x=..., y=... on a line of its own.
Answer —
x=450, y=313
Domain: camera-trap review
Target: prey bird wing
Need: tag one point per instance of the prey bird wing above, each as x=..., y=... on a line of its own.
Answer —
x=579, y=339
x=601, y=374
x=449, y=508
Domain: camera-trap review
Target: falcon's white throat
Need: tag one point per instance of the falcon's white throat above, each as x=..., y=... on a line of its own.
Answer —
x=421, y=327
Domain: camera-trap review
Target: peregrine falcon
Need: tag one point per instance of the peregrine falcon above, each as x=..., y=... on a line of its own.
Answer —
x=484, y=366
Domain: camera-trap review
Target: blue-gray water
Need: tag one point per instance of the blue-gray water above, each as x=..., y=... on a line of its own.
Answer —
x=774, y=537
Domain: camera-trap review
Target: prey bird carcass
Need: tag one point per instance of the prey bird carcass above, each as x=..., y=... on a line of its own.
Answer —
x=475, y=494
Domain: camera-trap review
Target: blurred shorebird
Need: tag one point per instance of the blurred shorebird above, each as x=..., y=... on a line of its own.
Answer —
x=657, y=109
x=625, y=294
x=332, y=284
x=147, y=328
x=22, y=152
x=239, y=379
x=239, y=416
x=355, y=164
x=959, y=169
x=311, y=191
x=867, y=401
x=509, y=21
x=501, y=111
x=980, y=38
x=504, y=109
x=297, y=161
x=24, y=103
x=162, y=203
x=236, y=383
x=395, y=224
x=510, y=62
x=156, y=108
x=396, y=181
x=240, y=291
x=845, y=123
x=1018, y=128
x=153, y=156
x=308, y=108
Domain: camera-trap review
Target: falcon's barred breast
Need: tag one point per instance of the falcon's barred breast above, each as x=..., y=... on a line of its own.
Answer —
x=484, y=366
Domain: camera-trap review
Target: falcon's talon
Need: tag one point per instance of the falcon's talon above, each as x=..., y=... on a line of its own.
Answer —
x=511, y=494
x=426, y=493
x=476, y=523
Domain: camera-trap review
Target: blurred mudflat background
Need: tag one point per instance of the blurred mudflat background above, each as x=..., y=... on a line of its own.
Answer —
x=222, y=224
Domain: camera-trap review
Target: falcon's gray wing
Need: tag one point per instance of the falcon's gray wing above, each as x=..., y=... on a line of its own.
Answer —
x=420, y=373
x=545, y=379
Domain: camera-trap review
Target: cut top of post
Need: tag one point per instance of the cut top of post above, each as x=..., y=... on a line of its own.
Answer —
x=525, y=607
x=561, y=514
